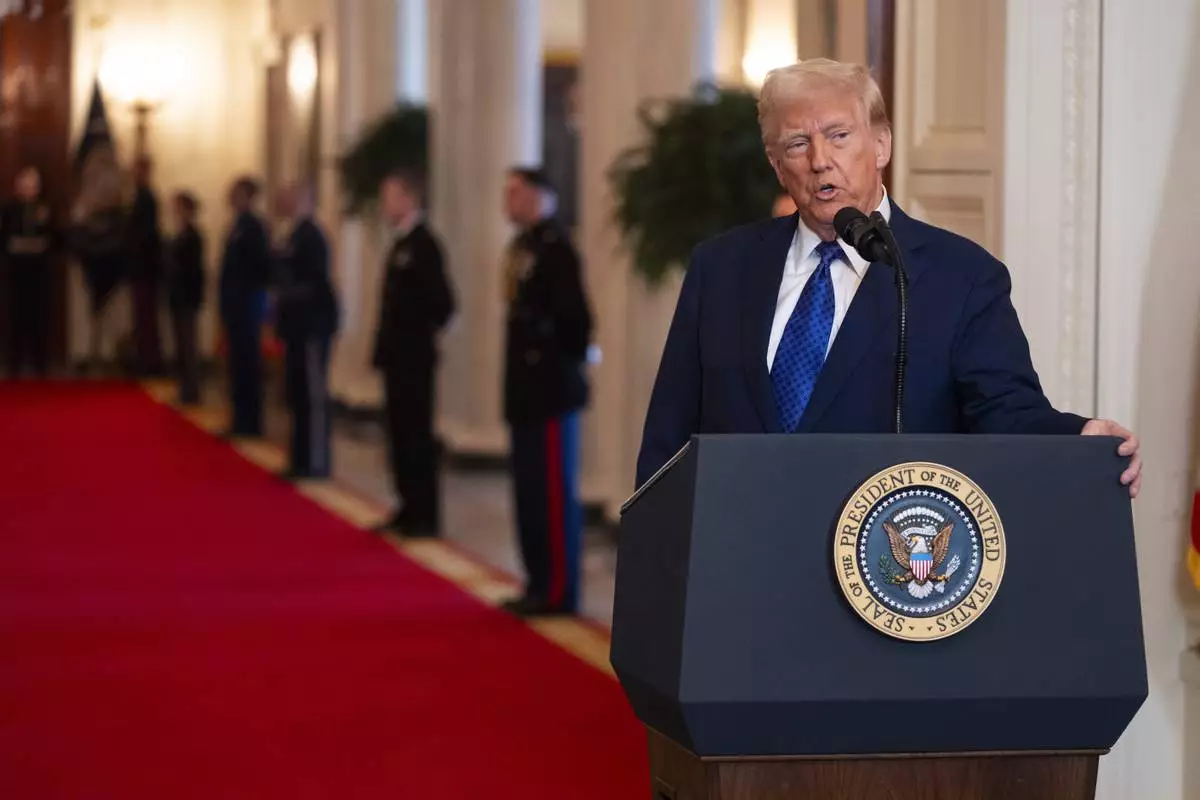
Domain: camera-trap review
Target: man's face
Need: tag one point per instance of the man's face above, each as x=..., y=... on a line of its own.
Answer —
x=396, y=201
x=521, y=201
x=828, y=156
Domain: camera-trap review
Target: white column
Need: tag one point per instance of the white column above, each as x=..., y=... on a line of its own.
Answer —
x=490, y=119
x=1148, y=364
x=633, y=51
x=382, y=60
x=1099, y=210
x=412, y=51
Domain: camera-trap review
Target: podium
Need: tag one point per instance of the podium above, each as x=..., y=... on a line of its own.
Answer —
x=747, y=641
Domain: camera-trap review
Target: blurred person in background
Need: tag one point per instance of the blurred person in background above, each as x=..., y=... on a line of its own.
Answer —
x=784, y=206
x=28, y=236
x=185, y=293
x=245, y=269
x=306, y=320
x=99, y=222
x=145, y=270
x=549, y=330
x=416, y=304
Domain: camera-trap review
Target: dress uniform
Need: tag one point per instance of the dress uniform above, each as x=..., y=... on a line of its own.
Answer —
x=307, y=318
x=28, y=240
x=417, y=303
x=244, y=272
x=145, y=276
x=549, y=329
x=185, y=295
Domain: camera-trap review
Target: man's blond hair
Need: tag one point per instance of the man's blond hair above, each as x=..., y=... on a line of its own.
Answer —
x=786, y=85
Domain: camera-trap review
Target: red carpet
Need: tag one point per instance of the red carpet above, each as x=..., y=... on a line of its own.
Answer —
x=174, y=623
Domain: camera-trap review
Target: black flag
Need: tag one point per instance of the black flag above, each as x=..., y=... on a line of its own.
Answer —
x=96, y=132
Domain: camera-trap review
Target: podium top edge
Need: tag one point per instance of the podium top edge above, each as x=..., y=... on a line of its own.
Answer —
x=653, y=479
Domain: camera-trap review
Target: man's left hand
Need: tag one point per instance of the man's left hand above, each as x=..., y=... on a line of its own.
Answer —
x=1131, y=477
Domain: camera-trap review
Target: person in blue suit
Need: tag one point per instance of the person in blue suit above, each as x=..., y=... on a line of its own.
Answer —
x=782, y=328
x=306, y=318
x=245, y=270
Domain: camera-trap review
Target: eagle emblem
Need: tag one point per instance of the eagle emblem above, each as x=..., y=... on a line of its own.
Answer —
x=919, y=551
x=919, y=539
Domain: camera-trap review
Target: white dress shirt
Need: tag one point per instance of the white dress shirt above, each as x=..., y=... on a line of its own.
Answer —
x=802, y=262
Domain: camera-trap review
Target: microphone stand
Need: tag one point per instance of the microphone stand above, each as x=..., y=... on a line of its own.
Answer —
x=902, y=321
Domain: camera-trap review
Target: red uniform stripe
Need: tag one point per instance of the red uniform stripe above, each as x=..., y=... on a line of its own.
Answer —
x=555, y=501
x=1196, y=522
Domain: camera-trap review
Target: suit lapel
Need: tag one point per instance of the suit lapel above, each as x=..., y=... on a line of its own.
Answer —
x=764, y=272
x=870, y=321
x=871, y=314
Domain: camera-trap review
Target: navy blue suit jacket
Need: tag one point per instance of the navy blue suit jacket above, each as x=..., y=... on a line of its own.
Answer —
x=969, y=369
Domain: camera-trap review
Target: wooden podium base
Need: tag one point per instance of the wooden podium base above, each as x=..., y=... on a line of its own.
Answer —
x=677, y=774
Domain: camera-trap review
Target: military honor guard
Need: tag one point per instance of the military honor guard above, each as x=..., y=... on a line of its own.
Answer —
x=416, y=304
x=185, y=293
x=245, y=270
x=145, y=270
x=306, y=319
x=28, y=235
x=545, y=386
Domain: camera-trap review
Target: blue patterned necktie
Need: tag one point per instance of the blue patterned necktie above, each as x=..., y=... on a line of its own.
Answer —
x=801, y=351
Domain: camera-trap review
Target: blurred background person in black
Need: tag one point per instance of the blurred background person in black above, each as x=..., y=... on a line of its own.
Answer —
x=306, y=320
x=417, y=303
x=549, y=330
x=28, y=236
x=145, y=271
x=99, y=223
x=245, y=269
x=185, y=293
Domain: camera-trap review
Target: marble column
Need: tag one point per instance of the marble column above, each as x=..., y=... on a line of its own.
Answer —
x=412, y=50
x=381, y=64
x=1113, y=324
x=633, y=51
x=490, y=73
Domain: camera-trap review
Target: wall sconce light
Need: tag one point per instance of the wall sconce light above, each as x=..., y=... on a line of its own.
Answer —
x=137, y=76
x=764, y=52
x=302, y=66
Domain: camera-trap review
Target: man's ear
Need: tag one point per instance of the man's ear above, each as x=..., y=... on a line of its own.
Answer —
x=883, y=148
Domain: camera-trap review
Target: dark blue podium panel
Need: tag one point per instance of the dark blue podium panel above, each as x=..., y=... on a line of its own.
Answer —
x=732, y=636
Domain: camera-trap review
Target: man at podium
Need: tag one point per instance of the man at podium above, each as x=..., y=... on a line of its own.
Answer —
x=783, y=327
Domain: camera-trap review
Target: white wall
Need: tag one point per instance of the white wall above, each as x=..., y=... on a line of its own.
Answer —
x=562, y=27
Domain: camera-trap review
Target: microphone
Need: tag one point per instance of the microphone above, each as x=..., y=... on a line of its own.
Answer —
x=873, y=239
x=863, y=234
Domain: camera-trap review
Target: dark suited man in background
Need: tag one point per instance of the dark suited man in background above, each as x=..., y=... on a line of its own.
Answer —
x=145, y=270
x=417, y=303
x=245, y=268
x=549, y=330
x=28, y=235
x=782, y=328
x=185, y=293
x=306, y=319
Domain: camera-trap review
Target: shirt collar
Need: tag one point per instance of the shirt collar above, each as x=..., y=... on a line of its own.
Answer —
x=807, y=242
x=408, y=224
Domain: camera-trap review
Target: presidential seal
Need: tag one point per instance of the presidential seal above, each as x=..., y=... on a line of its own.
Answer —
x=919, y=551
